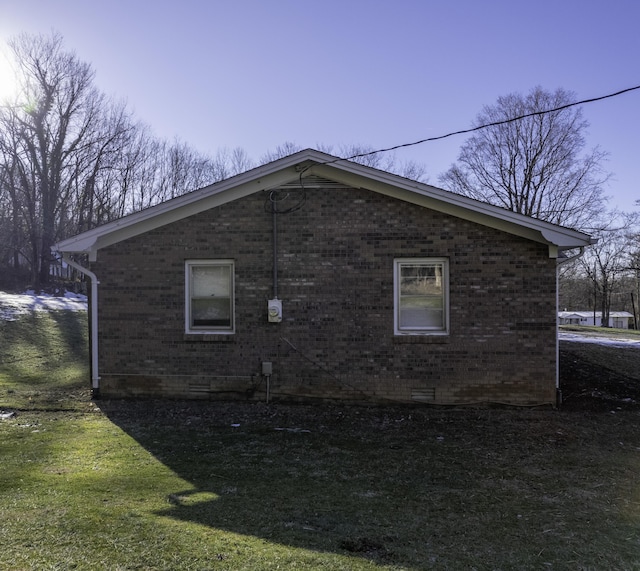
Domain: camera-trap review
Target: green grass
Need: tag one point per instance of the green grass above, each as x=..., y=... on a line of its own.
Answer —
x=184, y=489
x=124, y=485
x=44, y=361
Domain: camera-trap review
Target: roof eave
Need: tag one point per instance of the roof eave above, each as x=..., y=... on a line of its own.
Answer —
x=457, y=205
x=262, y=178
x=309, y=162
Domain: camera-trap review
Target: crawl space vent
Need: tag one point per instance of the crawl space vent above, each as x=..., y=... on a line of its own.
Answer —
x=199, y=388
x=424, y=395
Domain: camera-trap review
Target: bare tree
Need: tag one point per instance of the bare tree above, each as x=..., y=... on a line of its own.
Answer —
x=633, y=257
x=386, y=161
x=365, y=155
x=287, y=148
x=230, y=162
x=239, y=161
x=575, y=290
x=51, y=142
x=413, y=170
x=362, y=154
x=136, y=177
x=94, y=197
x=71, y=159
x=606, y=263
x=533, y=165
x=13, y=242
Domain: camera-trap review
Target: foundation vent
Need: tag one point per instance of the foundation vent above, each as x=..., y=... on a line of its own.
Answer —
x=199, y=388
x=424, y=395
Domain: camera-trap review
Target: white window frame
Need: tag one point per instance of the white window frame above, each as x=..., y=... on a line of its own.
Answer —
x=398, y=263
x=208, y=329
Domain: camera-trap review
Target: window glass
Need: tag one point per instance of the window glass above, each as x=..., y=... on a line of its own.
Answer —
x=206, y=312
x=421, y=296
x=210, y=280
x=210, y=296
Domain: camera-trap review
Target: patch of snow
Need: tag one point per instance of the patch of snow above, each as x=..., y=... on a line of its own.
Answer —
x=600, y=340
x=14, y=305
x=297, y=430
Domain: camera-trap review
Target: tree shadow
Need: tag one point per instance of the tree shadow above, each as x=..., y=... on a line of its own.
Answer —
x=264, y=473
x=394, y=486
x=73, y=328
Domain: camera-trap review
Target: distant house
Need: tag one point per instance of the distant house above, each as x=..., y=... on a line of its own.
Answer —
x=313, y=277
x=617, y=319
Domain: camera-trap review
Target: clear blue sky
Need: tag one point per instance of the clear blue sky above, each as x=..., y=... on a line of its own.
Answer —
x=257, y=73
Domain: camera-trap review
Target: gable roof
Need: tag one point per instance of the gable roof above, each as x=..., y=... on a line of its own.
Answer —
x=307, y=165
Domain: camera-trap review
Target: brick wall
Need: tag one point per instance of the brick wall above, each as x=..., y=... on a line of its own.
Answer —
x=335, y=280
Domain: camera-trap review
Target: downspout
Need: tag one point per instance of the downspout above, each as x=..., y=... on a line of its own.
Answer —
x=95, y=377
x=558, y=264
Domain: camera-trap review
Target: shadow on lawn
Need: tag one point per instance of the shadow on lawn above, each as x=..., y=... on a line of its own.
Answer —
x=407, y=487
x=72, y=328
x=281, y=474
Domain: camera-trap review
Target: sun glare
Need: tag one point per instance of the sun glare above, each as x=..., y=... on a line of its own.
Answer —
x=8, y=83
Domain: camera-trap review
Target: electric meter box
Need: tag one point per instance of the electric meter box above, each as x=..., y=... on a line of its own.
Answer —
x=275, y=311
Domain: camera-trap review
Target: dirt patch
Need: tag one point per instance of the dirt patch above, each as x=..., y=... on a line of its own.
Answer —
x=597, y=377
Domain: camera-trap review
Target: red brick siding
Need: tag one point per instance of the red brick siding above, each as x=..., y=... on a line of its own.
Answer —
x=335, y=274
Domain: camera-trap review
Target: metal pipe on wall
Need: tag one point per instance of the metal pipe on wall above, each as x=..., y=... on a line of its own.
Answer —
x=274, y=215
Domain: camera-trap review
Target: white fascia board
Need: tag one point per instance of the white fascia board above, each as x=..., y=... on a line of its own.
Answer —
x=173, y=210
x=456, y=205
x=308, y=162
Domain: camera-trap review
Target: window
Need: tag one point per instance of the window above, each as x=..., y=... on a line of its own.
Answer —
x=209, y=305
x=421, y=288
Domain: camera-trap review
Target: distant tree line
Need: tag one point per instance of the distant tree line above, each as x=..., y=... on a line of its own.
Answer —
x=607, y=276
x=72, y=158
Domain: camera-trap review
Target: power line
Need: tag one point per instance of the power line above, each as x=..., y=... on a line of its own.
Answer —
x=485, y=125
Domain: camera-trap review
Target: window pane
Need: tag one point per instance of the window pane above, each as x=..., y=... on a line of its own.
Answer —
x=211, y=312
x=209, y=281
x=421, y=312
x=421, y=279
x=421, y=301
x=209, y=303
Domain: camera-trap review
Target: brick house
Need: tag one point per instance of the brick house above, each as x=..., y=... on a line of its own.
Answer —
x=312, y=277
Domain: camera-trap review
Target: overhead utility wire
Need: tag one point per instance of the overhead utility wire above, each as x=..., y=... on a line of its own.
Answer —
x=452, y=134
x=485, y=125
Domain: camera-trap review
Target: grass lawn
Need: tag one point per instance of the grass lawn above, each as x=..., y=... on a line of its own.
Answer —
x=44, y=361
x=204, y=486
